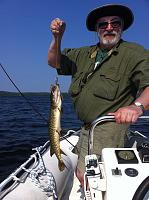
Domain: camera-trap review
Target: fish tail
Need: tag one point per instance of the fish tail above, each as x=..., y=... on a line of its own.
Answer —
x=51, y=152
x=61, y=165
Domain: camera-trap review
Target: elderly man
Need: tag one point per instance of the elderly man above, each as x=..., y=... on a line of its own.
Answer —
x=111, y=77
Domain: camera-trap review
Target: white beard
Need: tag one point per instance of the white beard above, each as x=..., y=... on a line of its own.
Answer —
x=107, y=43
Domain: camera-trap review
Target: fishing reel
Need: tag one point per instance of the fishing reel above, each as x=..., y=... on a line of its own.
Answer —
x=143, y=150
x=92, y=166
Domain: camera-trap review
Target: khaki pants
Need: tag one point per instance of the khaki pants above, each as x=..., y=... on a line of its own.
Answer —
x=107, y=135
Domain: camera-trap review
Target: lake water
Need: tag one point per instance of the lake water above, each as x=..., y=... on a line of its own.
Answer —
x=21, y=128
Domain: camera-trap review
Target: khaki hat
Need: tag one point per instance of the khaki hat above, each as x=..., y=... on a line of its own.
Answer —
x=110, y=10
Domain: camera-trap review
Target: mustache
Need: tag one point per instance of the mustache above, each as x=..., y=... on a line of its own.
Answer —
x=114, y=33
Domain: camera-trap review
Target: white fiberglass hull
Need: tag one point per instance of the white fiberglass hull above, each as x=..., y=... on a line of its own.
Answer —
x=34, y=187
x=123, y=173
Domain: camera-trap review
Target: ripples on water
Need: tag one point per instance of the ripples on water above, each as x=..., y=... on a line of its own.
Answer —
x=21, y=129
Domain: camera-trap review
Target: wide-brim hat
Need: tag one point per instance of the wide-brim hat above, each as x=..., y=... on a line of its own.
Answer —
x=110, y=10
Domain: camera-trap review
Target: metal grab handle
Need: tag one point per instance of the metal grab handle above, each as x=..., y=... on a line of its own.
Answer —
x=97, y=121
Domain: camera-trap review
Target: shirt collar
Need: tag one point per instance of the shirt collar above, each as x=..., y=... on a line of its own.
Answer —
x=93, y=51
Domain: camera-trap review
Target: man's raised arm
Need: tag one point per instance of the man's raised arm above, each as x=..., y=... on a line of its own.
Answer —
x=54, y=54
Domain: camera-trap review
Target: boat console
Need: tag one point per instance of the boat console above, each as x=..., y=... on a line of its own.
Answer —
x=122, y=173
x=118, y=175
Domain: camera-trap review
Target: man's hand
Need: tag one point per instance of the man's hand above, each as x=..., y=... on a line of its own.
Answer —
x=58, y=27
x=128, y=114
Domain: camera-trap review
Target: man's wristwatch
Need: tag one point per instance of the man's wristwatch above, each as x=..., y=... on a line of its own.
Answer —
x=138, y=104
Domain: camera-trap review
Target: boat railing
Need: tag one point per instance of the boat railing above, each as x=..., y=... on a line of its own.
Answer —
x=21, y=173
x=98, y=121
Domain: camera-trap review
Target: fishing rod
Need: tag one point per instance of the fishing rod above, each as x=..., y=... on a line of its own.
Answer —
x=41, y=116
x=26, y=97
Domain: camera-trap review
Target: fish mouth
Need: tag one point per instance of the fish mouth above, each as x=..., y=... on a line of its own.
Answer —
x=53, y=88
x=55, y=93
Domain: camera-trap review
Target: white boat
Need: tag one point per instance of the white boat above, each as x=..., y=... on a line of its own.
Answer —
x=122, y=173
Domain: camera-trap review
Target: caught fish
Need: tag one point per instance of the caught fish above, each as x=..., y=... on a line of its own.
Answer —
x=54, y=124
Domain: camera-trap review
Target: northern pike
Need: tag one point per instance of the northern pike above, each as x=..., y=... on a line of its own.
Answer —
x=54, y=124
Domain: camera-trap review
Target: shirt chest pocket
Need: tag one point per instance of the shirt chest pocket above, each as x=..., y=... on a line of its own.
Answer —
x=107, y=85
x=75, y=86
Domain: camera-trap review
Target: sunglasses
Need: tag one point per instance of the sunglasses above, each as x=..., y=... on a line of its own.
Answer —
x=114, y=24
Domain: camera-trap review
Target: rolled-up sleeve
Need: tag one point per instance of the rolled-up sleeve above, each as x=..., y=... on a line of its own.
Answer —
x=68, y=62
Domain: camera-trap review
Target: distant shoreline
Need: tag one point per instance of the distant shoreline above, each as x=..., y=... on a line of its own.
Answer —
x=6, y=93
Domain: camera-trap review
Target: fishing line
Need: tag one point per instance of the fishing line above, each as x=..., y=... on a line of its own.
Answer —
x=56, y=61
x=23, y=95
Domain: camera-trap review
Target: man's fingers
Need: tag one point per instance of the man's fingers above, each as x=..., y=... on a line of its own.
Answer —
x=111, y=113
x=57, y=27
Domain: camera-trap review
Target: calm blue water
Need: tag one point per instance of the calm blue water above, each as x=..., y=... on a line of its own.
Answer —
x=22, y=129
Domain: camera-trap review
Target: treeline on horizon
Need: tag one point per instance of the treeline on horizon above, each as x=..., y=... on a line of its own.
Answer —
x=6, y=93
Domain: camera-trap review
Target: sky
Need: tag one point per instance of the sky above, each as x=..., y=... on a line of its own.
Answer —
x=25, y=37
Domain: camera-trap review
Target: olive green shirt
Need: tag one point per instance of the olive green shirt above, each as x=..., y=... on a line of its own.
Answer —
x=115, y=82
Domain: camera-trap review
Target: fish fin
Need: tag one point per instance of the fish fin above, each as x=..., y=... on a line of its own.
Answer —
x=61, y=97
x=61, y=165
x=60, y=110
x=51, y=152
x=59, y=131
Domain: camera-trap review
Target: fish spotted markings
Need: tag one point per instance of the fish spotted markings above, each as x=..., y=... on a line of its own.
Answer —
x=54, y=124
